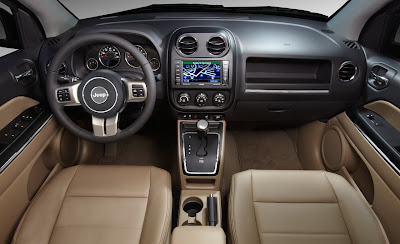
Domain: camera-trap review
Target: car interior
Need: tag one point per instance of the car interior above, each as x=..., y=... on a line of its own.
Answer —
x=168, y=122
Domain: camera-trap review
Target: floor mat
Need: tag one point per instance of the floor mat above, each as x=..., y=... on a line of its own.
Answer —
x=273, y=150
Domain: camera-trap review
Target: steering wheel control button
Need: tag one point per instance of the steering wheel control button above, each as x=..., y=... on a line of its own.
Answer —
x=183, y=99
x=63, y=95
x=99, y=95
x=138, y=91
x=201, y=99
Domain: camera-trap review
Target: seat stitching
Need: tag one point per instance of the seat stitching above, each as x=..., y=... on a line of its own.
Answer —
x=62, y=204
x=296, y=202
x=254, y=209
x=231, y=210
x=147, y=206
x=167, y=219
x=303, y=233
x=338, y=203
x=104, y=196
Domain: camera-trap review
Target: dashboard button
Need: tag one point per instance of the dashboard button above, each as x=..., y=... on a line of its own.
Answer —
x=219, y=99
x=183, y=99
x=201, y=99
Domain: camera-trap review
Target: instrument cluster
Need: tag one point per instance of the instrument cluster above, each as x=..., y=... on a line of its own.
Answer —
x=113, y=57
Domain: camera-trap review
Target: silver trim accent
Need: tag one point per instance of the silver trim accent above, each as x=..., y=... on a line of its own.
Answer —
x=84, y=100
x=15, y=155
x=382, y=154
x=73, y=94
x=180, y=39
x=289, y=92
x=126, y=60
x=28, y=73
x=100, y=87
x=128, y=85
x=355, y=73
x=119, y=60
x=226, y=45
x=105, y=127
x=184, y=156
x=87, y=66
x=159, y=64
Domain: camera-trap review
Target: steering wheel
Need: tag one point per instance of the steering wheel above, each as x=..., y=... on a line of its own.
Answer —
x=102, y=93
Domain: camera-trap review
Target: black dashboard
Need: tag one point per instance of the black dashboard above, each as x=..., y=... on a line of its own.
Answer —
x=233, y=66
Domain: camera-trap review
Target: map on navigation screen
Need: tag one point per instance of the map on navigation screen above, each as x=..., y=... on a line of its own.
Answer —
x=201, y=72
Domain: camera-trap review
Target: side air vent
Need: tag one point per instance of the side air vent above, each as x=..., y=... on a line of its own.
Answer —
x=216, y=45
x=187, y=45
x=53, y=41
x=347, y=71
x=352, y=45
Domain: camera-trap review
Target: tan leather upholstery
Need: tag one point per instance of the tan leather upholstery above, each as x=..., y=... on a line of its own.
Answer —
x=100, y=204
x=299, y=207
x=198, y=235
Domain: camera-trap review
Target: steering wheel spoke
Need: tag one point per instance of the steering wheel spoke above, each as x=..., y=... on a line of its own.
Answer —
x=67, y=94
x=105, y=127
x=136, y=90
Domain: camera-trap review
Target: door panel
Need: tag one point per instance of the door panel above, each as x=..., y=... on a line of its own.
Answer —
x=373, y=131
x=20, y=181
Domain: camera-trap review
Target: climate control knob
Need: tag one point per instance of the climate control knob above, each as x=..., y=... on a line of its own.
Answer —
x=219, y=99
x=183, y=99
x=201, y=99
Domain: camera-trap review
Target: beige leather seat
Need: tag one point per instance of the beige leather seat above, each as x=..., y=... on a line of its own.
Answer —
x=299, y=207
x=100, y=204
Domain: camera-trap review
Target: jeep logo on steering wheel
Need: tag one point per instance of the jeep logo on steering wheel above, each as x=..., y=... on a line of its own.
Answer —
x=99, y=95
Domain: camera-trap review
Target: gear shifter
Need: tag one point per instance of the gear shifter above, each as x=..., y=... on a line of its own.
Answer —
x=202, y=130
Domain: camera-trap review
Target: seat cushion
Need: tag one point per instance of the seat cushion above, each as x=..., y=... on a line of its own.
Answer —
x=299, y=207
x=100, y=204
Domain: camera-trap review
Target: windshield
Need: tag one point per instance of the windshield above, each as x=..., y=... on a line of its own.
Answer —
x=84, y=9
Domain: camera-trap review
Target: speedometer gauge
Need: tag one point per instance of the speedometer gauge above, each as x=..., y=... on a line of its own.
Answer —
x=131, y=61
x=109, y=56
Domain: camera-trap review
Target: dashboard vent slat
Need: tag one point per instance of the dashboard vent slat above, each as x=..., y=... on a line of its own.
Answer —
x=53, y=41
x=351, y=45
x=348, y=71
x=216, y=45
x=187, y=45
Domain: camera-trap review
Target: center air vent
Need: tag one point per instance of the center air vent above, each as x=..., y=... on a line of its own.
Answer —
x=187, y=45
x=347, y=71
x=216, y=45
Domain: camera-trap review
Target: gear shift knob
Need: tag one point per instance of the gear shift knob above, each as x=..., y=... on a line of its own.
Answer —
x=202, y=128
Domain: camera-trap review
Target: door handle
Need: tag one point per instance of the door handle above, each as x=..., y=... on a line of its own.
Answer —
x=382, y=81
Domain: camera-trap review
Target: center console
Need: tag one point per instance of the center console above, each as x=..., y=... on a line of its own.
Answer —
x=201, y=73
x=201, y=90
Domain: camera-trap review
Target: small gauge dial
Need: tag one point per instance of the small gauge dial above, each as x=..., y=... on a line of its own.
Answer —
x=155, y=64
x=109, y=56
x=131, y=61
x=92, y=64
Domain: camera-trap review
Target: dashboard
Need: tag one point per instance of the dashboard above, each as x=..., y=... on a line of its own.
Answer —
x=112, y=57
x=237, y=67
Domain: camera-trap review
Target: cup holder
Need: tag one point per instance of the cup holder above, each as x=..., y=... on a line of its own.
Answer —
x=192, y=206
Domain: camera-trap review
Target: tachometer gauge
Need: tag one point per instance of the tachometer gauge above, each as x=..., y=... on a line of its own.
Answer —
x=92, y=64
x=131, y=61
x=109, y=56
x=155, y=64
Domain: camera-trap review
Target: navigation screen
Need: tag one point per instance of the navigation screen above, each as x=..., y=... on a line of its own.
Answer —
x=201, y=72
